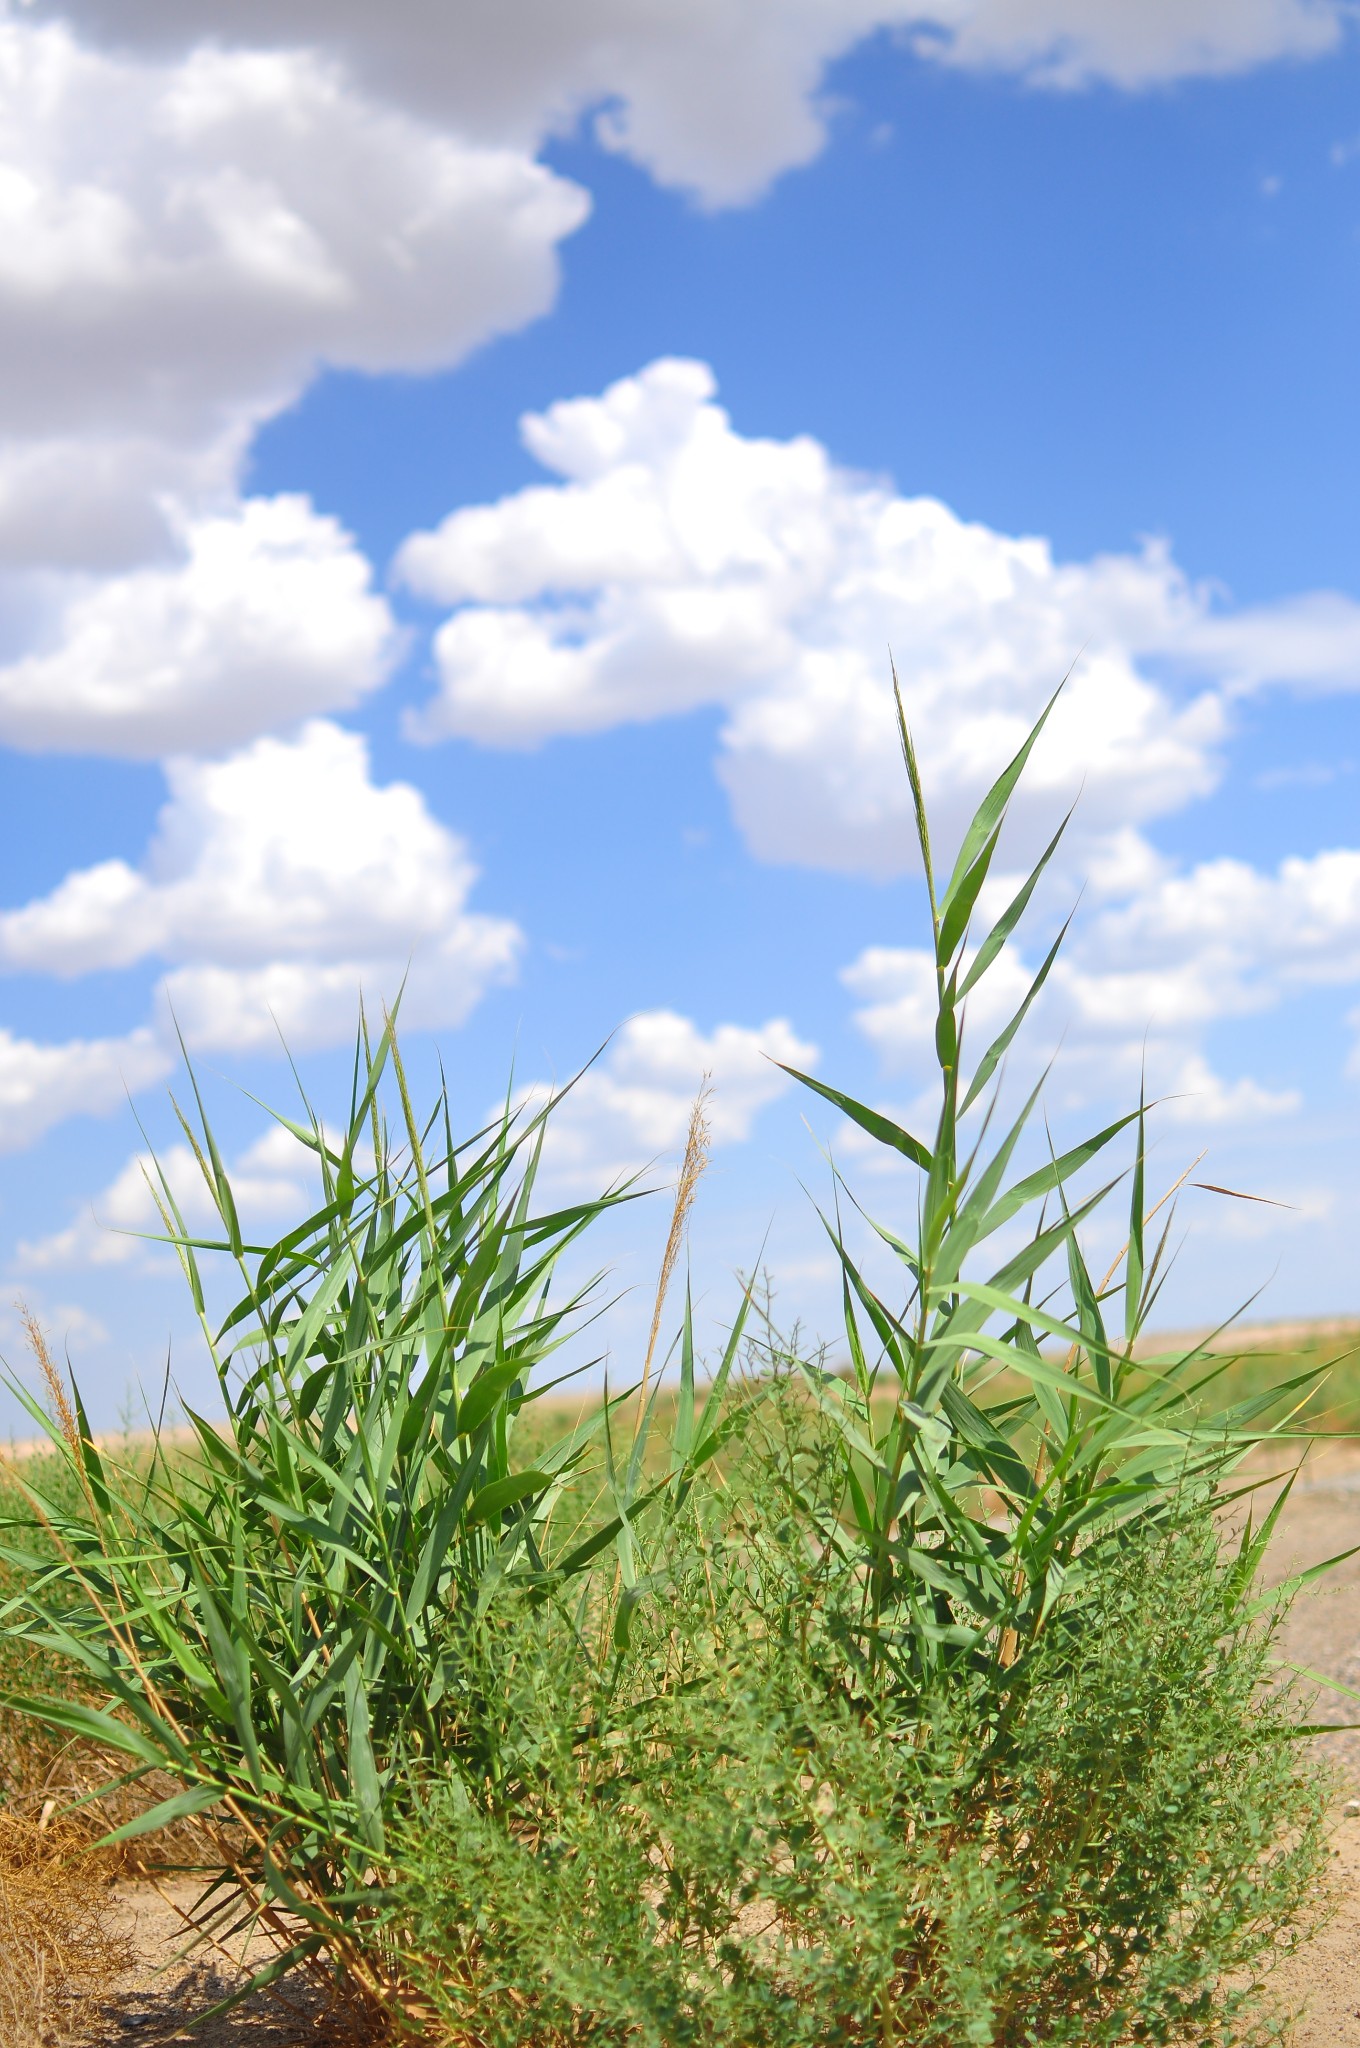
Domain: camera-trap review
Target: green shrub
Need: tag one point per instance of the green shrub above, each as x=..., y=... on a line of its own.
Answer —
x=1109, y=1848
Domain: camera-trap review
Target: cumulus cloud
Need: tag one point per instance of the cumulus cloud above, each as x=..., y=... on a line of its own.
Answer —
x=212, y=214
x=43, y=1084
x=707, y=96
x=1070, y=43
x=208, y=229
x=1226, y=938
x=632, y=1107
x=270, y=1181
x=215, y=211
x=186, y=237
x=269, y=616
x=280, y=881
x=679, y=564
x=627, y=1112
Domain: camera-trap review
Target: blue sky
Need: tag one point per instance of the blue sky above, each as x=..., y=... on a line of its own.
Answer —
x=1000, y=333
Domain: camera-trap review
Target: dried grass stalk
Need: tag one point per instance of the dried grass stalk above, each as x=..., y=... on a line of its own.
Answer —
x=697, y=1144
x=57, y=1392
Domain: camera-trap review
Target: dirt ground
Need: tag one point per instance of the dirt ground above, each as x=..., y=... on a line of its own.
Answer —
x=153, y=2002
x=1322, y=1519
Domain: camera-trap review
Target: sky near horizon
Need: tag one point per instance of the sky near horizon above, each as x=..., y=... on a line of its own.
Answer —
x=462, y=472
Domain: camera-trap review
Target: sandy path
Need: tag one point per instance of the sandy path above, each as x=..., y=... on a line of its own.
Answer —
x=153, y=2002
x=1323, y=1634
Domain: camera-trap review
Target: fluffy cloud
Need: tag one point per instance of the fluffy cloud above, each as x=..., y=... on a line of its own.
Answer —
x=210, y=218
x=1068, y=43
x=270, y=1181
x=215, y=216
x=680, y=564
x=705, y=95
x=269, y=616
x=208, y=230
x=633, y=1105
x=628, y=1111
x=281, y=880
x=1145, y=982
x=186, y=236
x=41, y=1085
x=1225, y=939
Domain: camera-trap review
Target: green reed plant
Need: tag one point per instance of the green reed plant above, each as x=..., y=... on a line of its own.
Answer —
x=277, y=1613
x=1003, y=1425
x=948, y=1718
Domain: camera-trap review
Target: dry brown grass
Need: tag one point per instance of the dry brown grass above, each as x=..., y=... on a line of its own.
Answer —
x=57, y=1957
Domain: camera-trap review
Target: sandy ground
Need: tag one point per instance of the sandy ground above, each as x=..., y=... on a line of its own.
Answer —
x=1321, y=1520
x=153, y=2003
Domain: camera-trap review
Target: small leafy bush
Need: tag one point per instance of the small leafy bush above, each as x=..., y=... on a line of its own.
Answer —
x=1110, y=1847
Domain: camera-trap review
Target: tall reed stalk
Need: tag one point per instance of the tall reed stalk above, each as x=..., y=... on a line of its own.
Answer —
x=278, y=1614
x=1004, y=1424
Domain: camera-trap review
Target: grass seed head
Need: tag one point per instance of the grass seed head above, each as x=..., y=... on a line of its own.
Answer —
x=698, y=1142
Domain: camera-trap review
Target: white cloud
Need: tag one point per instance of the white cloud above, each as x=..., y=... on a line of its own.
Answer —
x=633, y=1106
x=209, y=219
x=279, y=878
x=680, y=564
x=1069, y=43
x=269, y=616
x=1226, y=938
x=183, y=241
x=270, y=1182
x=1312, y=642
x=708, y=96
x=186, y=237
x=41, y=1085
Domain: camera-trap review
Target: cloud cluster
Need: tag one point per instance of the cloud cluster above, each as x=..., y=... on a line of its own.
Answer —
x=1071, y=43
x=678, y=563
x=628, y=1111
x=707, y=96
x=208, y=229
x=632, y=1107
x=270, y=1181
x=269, y=616
x=187, y=235
x=281, y=882
x=212, y=213
x=43, y=1084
